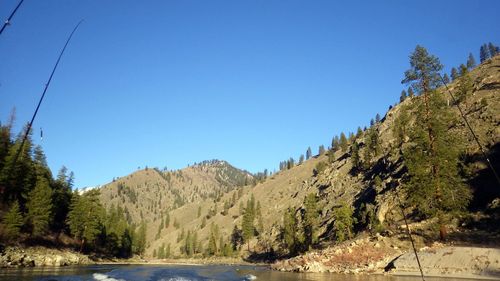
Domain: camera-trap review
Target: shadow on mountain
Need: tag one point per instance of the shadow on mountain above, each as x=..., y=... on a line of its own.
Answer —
x=490, y=86
x=485, y=187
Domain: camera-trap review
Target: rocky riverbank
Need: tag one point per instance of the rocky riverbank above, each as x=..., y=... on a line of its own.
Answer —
x=380, y=255
x=41, y=256
x=367, y=255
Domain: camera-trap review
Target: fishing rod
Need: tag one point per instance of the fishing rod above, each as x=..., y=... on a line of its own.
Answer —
x=409, y=235
x=30, y=124
x=7, y=22
x=470, y=129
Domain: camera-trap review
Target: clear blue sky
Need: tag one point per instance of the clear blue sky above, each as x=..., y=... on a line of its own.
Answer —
x=170, y=83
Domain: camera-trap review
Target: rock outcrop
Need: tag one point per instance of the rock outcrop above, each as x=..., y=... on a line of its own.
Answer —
x=366, y=255
x=40, y=256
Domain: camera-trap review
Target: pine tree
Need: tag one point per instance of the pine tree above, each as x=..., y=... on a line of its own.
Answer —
x=140, y=241
x=359, y=132
x=465, y=86
x=221, y=245
x=5, y=138
x=411, y=93
x=18, y=177
x=463, y=70
x=236, y=237
x=310, y=223
x=247, y=224
x=227, y=250
x=212, y=244
x=368, y=217
x=161, y=251
x=336, y=142
x=351, y=138
x=343, y=142
x=471, y=62
x=377, y=118
x=403, y=96
x=301, y=159
x=454, y=74
x=118, y=241
x=321, y=150
x=85, y=217
x=194, y=242
x=61, y=197
x=39, y=207
x=434, y=183
x=484, y=53
x=225, y=209
x=188, y=245
x=356, y=160
x=343, y=222
x=446, y=79
x=372, y=147
x=13, y=221
x=492, y=50
x=308, y=153
x=167, y=251
x=290, y=231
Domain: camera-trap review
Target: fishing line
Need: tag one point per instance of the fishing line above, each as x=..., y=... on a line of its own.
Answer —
x=7, y=22
x=44, y=92
x=410, y=236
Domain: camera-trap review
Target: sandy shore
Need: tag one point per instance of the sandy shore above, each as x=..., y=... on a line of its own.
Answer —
x=456, y=262
x=380, y=255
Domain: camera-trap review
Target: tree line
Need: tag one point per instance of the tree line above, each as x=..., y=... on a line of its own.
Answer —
x=37, y=206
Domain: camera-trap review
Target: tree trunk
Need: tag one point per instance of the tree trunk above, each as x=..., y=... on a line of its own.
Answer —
x=443, y=232
x=81, y=244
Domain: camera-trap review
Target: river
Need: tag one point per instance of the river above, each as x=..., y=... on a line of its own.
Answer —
x=179, y=273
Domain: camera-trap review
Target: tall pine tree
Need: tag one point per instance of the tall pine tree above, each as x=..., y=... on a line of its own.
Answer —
x=434, y=185
x=85, y=217
x=343, y=142
x=484, y=53
x=13, y=221
x=39, y=207
x=310, y=223
x=454, y=74
x=471, y=62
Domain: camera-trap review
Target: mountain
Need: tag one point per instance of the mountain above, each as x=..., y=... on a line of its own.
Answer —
x=147, y=194
x=209, y=197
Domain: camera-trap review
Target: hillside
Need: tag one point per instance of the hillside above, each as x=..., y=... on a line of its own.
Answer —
x=146, y=195
x=150, y=194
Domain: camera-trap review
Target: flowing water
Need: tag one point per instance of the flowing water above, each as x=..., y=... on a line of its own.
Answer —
x=179, y=273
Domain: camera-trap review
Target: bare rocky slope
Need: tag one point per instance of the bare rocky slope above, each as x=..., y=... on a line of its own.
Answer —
x=149, y=194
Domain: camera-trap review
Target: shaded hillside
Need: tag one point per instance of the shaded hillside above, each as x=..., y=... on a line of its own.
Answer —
x=214, y=208
x=148, y=194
